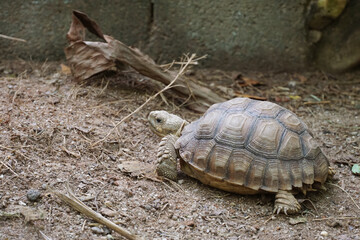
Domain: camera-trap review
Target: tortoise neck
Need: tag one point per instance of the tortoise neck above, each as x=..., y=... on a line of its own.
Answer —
x=183, y=124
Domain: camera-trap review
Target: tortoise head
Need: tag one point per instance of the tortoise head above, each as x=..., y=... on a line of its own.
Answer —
x=163, y=123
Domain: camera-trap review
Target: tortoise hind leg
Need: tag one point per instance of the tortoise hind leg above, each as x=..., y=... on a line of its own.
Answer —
x=286, y=202
x=167, y=158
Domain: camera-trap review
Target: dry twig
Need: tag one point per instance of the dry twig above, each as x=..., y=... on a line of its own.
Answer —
x=44, y=236
x=74, y=202
x=9, y=168
x=12, y=38
x=311, y=203
x=318, y=102
x=352, y=199
x=87, y=58
x=5, y=215
x=335, y=218
x=181, y=71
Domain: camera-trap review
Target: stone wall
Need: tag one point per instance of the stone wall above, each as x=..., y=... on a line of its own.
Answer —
x=44, y=24
x=246, y=34
x=263, y=34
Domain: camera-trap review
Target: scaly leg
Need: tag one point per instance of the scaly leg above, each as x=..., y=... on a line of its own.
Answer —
x=167, y=158
x=286, y=202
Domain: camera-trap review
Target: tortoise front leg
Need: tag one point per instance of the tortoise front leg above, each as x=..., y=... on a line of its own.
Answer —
x=167, y=158
x=286, y=202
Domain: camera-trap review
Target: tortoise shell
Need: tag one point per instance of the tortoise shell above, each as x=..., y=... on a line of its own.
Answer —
x=246, y=146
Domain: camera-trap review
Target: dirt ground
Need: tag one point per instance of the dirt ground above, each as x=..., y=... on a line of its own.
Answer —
x=49, y=125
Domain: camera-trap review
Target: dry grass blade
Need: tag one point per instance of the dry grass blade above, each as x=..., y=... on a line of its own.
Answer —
x=319, y=102
x=181, y=71
x=5, y=215
x=44, y=236
x=9, y=168
x=352, y=199
x=336, y=218
x=74, y=202
x=12, y=38
x=167, y=66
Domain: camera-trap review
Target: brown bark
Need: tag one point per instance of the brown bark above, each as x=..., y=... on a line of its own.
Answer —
x=88, y=58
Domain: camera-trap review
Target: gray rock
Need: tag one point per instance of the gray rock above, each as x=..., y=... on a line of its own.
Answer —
x=97, y=230
x=339, y=48
x=33, y=195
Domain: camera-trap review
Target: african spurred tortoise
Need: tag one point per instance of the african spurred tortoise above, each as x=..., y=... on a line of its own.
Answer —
x=243, y=146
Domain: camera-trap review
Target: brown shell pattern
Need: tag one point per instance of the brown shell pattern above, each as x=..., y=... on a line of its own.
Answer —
x=256, y=144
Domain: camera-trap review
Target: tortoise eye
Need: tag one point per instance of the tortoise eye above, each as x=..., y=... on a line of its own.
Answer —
x=158, y=120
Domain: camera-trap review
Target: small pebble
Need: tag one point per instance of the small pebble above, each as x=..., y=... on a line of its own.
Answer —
x=97, y=230
x=33, y=195
x=107, y=231
x=324, y=233
x=148, y=207
x=181, y=181
x=292, y=84
x=109, y=237
x=333, y=224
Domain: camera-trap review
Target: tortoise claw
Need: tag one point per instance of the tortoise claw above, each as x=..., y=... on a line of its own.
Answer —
x=286, y=202
x=331, y=171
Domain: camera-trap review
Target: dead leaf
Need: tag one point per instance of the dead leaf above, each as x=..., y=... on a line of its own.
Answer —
x=85, y=58
x=243, y=81
x=302, y=78
x=65, y=69
x=237, y=94
x=7, y=215
x=296, y=98
x=108, y=212
x=137, y=168
x=189, y=223
x=297, y=220
x=31, y=214
x=90, y=24
x=86, y=61
x=228, y=91
x=282, y=99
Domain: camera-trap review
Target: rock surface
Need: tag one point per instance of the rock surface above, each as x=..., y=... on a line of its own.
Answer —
x=263, y=35
x=44, y=24
x=244, y=35
x=339, y=48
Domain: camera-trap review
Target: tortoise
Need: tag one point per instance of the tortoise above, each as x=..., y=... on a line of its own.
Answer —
x=244, y=146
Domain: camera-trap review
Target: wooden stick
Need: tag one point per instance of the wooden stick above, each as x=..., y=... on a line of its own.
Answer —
x=87, y=58
x=12, y=38
x=148, y=100
x=318, y=102
x=74, y=202
x=118, y=51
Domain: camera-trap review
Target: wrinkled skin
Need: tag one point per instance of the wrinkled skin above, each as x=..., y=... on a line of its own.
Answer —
x=169, y=127
x=163, y=123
